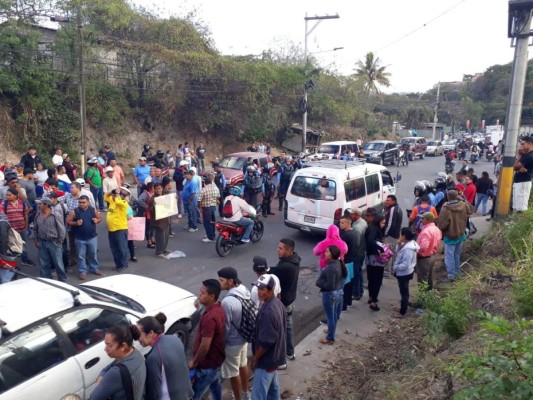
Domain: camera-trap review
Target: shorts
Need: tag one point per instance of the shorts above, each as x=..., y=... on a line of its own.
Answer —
x=521, y=191
x=236, y=357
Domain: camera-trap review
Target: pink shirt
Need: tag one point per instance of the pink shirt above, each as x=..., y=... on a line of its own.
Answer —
x=429, y=240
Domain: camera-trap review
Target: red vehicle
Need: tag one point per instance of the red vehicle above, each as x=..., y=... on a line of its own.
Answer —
x=230, y=234
x=232, y=165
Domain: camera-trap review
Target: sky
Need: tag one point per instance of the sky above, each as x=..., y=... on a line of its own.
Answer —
x=421, y=42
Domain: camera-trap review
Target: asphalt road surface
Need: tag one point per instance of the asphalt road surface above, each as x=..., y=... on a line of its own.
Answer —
x=202, y=262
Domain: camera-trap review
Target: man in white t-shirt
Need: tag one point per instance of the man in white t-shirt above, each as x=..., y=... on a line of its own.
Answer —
x=57, y=159
x=261, y=268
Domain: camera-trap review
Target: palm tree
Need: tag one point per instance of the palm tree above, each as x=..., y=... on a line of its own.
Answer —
x=372, y=73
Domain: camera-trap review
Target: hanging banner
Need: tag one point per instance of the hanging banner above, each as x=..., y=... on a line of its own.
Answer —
x=482, y=124
x=136, y=227
x=467, y=124
x=166, y=206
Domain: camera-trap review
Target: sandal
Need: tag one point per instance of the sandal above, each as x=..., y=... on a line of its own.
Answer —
x=374, y=307
x=326, y=341
x=150, y=246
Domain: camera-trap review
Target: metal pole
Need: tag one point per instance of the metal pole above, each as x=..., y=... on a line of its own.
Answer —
x=304, y=116
x=81, y=93
x=514, y=111
x=435, y=118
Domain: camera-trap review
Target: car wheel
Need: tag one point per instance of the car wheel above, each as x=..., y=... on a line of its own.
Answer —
x=422, y=155
x=181, y=330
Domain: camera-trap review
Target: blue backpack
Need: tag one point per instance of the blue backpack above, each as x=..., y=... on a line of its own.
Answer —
x=418, y=219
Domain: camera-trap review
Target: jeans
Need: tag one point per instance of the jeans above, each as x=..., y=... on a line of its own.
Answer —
x=192, y=214
x=289, y=345
x=332, y=303
x=87, y=249
x=207, y=379
x=118, y=243
x=358, y=289
x=131, y=248
x=375, y=280
x=251, y=198
x=72, y=252
x=6, y=275
x=50, y=255
x=209, y=219
x=161, y=238
x=248, y=224
x=481, y=199
x=98, y=194
x=201, y=165
x=266, y=385
x=452, y=259
x=179, y=195
x=24, y=255
x=403, y=285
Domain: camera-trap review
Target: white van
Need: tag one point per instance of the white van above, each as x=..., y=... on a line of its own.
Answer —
x=329, y=150
x=320, y=193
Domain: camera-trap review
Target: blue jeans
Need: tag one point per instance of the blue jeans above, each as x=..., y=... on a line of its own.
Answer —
x=6, y=275
x=332, y=303
x=248, y=224
x=266, y=385
x=192, y=214
x=289, y=345
x=51, y=254
x=98, y=194
x=481, y=199
x=357, y=280
x=118, y=243
x=452, y=259
x=209, y=218
x=87, y=249
x=207, y=379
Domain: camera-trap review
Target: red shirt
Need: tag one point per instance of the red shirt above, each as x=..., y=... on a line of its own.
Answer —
x=470, y=193
x=16, y=214
x=211, y=325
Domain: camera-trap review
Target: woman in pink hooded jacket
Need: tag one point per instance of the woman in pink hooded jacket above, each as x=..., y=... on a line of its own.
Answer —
x=332, y=239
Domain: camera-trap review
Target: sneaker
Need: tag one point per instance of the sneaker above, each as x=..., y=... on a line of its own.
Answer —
x=162, y=255
x=83, y=277
x=323, y=322
x=282, y=367
x=292, y=358
x=207, y=240
x=29, y=263
x=180, y=216
x=166, y=252
x=192, y=230
x=171, y=235
x=245, y=240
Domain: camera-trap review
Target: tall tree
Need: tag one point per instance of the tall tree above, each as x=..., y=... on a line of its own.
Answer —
x=372, y=73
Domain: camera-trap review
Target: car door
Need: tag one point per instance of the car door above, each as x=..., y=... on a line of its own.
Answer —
x=374, y=196
x=390, y=151
x=355, y=192
x=38, y=364
x=86, y=328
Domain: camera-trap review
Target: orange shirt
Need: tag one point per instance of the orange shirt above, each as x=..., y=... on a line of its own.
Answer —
x=432, y=210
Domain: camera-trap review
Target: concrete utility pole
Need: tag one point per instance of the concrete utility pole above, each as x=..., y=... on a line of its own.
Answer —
x=318, y=19
x=83, y=113
x=435, y=118
x=519, y=29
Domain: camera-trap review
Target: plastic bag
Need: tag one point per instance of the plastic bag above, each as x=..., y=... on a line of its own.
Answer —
x=175, y=254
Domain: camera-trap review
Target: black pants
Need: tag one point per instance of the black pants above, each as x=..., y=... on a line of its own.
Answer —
x=347, y=297
x=375, y=280
x=403, y=285
x=131, y=248
x=265, y=204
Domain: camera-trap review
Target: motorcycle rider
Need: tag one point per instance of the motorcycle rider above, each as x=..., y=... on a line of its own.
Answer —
x=159, y=159
x=147, y=152
x=268, y=190
x=440, y=191
x=449, y=164
x=253, y=185
x=474, y=153
x=406, y=147
x=285, y=172
x=424, y=188
x=238, y=207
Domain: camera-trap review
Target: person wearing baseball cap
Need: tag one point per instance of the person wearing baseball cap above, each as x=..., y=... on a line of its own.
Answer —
x=235, y=365
x=261, y=267
x=269, y=345
x=110, y=183
x=140, y=173
x=428, y=240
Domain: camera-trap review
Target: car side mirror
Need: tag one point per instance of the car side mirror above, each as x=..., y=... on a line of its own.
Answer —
x=398, y=177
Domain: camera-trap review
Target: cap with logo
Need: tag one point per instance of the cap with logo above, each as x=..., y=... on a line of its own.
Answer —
x=266, y=281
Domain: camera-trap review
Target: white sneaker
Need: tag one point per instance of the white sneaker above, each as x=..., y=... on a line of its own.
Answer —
x=245, y=240
x=193, y=230
x=180, y=216
x=206, y=240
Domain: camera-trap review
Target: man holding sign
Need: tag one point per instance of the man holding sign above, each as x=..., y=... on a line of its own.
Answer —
x=161, y=211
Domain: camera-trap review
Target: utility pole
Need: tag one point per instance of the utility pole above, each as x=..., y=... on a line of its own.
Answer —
x=83, y=113
x=435, y=118
x=318, y=19
x=519, y=29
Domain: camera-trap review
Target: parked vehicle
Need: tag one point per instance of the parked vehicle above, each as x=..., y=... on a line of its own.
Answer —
x=449, y=145
x=230, y=234
x=52, y=333
x=434, y=148
x=320, y=193
x=331, y=150
x=418, y=146
x=232, y=165
x=381, y=152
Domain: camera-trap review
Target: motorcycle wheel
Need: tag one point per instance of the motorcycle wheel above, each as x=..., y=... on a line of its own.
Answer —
x=222, y=246
x=399, y=161
x=257, y=232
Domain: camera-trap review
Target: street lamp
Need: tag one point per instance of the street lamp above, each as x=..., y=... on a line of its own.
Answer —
x=318, y=19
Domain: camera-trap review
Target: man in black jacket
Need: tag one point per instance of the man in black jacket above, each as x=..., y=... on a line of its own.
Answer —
x=31, y=159
x=349, y=237
x=288, y=270
x=393, y=225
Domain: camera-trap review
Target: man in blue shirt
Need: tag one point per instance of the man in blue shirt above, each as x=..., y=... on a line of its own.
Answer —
x=190, y=201
x=140, y=173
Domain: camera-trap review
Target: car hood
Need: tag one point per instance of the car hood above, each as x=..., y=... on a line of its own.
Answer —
x=230, y=174
x=135, y=287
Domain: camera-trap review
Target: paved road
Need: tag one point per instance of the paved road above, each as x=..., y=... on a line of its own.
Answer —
x=202, y=262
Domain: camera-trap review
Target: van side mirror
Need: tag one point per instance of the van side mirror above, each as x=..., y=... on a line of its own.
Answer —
x=398, y=177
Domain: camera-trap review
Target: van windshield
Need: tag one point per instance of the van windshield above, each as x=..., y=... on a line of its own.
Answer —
x=328, y=148
x=314, y=188
x=373, y=146
x=402, y=141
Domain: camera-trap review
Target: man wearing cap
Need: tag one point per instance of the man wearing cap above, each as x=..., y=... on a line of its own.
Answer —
x=57, y=159
x=208, y=351
x=208, y=201
x=269, y=345
x=393, y=224
x=235, y=365
x=178, y=177
x=12, y=181
x=94, y=179
x=221, y=182
x=428, y=240
x=118, y=173
x=140, y=173
x=288, y=272
x=49, y=236
x=452, y=222
x=190, y=202
x=110, y=183
x=117, y=227
x=31, y=159
x=261, y=267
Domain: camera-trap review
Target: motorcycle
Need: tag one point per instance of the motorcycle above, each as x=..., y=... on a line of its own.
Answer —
x=230, y=235
x=473, y=158
x=401, y=159
x=462, y=154
x=449, y=167
x=489, y=155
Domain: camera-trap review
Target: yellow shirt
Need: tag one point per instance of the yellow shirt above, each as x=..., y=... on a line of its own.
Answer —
x=116, y=214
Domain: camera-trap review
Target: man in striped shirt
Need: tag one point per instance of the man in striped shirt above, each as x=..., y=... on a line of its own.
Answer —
x=208, y=201
x=17, y=211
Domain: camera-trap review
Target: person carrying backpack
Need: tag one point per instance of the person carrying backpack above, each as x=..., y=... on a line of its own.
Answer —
x=415, y=219
x=17, y=212
x=241, y=314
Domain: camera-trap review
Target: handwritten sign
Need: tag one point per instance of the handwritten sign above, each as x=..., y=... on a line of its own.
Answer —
x=136, y=228
x=166, y=206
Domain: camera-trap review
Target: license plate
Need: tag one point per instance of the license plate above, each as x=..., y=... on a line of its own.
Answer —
x=311, y=220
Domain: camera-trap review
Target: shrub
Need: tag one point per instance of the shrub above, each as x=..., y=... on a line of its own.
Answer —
x=522, y=291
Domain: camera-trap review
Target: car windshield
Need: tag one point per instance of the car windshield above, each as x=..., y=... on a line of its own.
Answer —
x=433, y=143
x=233, y=162
x=314, y=188
x=449, y=142
x=407, y=140
x=328, y=148
x=373, y=146
x=110, y=296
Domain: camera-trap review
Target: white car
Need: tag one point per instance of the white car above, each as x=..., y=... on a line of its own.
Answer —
x=434, y=148
x=52, y=333
x=449, y=145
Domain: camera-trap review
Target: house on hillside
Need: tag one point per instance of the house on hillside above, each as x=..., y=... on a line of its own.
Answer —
x=294, y=140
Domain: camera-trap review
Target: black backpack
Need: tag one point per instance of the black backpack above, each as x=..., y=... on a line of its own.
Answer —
x=248, y=319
